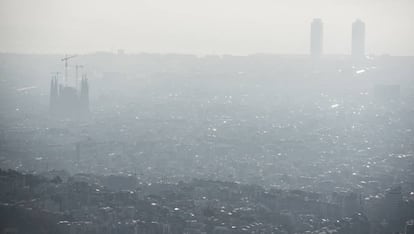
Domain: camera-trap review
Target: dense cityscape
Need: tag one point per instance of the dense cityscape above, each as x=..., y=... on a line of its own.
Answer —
x=175, y=143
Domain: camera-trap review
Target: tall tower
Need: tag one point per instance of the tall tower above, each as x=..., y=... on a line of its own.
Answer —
x=316, y=38
x=358, y=39
x=84, y=95
x=54, y=95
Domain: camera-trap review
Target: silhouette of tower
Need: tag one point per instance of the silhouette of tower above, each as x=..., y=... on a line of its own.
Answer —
x=358, y=39
x=54, y=95
x=84, y=95
x=316, y=40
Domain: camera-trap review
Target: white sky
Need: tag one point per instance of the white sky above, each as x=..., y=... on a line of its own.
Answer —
x=201, y=26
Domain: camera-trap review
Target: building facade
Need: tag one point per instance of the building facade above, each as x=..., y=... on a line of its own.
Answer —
x=316, y=38
x=358, y=39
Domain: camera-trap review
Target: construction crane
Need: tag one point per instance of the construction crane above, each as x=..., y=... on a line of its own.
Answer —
x=66, y=58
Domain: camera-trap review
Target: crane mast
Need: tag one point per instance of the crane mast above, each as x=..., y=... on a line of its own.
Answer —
x=66, y=58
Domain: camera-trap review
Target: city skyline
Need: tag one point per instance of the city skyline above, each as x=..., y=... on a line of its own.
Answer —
x=316, y=45
x=194, y=27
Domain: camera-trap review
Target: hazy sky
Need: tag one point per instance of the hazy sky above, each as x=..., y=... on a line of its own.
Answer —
x=201, y=26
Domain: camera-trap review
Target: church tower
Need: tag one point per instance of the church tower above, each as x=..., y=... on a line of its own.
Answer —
x=54, y=95
x=84, y=95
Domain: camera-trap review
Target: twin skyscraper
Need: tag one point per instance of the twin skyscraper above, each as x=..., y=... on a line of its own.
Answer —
x=358, y=38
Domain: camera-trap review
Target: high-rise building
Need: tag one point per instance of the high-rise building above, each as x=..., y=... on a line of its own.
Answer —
x=358, y=39
x=316, y=40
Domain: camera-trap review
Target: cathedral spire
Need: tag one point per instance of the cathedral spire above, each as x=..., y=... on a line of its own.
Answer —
x=53, y=94
x=84, y=95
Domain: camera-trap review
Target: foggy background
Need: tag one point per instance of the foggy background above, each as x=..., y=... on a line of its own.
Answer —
x=237, y=27
x=207, y=117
